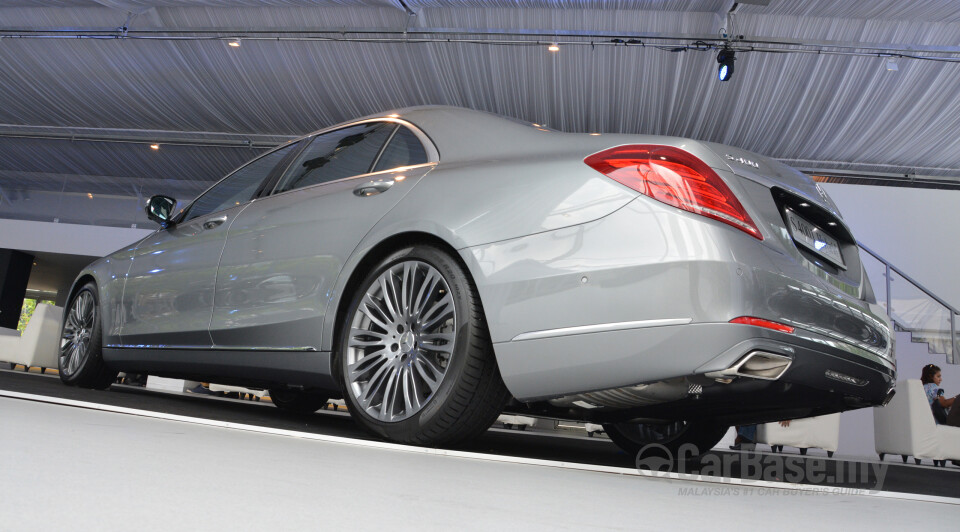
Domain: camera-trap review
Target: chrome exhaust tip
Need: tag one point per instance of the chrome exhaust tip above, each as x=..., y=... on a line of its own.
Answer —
x=756, y=365
x=889, y=397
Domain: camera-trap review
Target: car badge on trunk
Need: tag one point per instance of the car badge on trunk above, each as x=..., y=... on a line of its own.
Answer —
x=741, y=160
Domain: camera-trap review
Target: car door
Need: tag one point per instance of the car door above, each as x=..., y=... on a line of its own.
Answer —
x=284, y=253
x=168, y=293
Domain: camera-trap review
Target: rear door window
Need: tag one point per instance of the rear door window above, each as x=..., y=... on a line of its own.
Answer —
x=337, y=154
x=404, y=149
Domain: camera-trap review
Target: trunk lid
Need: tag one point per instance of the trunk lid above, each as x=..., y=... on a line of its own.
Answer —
x=814, y=229
x=772, y=173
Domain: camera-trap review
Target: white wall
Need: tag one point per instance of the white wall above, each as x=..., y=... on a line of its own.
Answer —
x=917, y=230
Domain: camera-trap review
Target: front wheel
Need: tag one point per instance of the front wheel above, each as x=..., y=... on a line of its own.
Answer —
x=681, y=439
x=414, y=354
x=80, y=359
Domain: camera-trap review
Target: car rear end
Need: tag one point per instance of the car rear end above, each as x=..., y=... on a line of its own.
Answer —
x=771, y=317
x=818, y=341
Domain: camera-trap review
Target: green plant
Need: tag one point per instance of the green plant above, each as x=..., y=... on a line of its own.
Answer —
x=29, y=305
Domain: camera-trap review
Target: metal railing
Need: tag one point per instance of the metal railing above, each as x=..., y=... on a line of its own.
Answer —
x=913, y=307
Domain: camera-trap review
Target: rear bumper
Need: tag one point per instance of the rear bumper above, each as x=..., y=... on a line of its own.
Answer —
x=543, y=368
x=821, y=380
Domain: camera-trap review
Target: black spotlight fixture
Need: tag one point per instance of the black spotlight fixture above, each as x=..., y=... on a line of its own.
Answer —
x=726, y=58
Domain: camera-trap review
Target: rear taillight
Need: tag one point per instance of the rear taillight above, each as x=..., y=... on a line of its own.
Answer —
x=675, y=177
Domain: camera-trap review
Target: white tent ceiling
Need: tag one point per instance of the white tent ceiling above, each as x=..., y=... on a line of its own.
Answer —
x=811, y=84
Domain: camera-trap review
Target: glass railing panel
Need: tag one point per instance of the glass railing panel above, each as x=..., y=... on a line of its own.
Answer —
x=953, y=357
x=100, y=200
x=877, y=273
x=924, y=317
x=33, y=197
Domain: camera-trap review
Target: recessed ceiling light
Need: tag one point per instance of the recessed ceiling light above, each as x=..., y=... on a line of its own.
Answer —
x=595, y=134
x=554, y=47
x=233, y=43
x=154, y=146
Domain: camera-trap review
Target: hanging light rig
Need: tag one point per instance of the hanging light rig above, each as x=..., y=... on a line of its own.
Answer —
x=725, y=58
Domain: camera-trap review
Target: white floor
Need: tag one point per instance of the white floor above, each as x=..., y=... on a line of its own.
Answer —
x=65, y=468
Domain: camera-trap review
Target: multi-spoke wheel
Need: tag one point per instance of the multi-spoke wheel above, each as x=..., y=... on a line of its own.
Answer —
x=681, y=439
x=80, y=361
x=415, y=356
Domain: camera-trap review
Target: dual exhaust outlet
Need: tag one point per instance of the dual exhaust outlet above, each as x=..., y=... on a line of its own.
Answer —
x=771, y=366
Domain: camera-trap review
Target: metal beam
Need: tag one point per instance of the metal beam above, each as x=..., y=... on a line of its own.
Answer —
x=453, y=34
x=144, y=136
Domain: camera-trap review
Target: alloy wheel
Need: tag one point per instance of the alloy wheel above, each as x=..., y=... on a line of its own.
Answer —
x=401, y=338
x=77, y=332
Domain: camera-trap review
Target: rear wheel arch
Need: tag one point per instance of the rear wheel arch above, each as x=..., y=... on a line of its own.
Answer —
x=415, y=343
x=370, y=260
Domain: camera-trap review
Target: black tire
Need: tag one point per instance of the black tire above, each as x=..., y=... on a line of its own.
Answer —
x=298, y=401
x=469, y=394
x=80, y=358
x=681, y=439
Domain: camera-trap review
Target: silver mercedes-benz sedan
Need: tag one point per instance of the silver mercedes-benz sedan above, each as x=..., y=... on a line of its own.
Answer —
x=435, y=266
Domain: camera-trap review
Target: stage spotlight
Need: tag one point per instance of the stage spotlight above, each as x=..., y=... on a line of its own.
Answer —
x=725, y=58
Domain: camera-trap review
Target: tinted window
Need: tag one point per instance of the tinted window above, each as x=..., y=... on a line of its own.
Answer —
x=337, y=154
x=239, y=187
x=404, y=149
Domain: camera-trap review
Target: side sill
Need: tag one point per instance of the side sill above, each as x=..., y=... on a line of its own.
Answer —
x=263, y=369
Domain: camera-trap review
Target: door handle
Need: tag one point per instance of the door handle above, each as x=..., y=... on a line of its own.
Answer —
x=214, y=222
x=373, y=188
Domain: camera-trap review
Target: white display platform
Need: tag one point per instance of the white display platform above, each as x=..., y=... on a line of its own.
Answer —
x=166, y=385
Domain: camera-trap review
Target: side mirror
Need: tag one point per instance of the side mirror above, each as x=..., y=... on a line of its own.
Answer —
x=160, y=209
